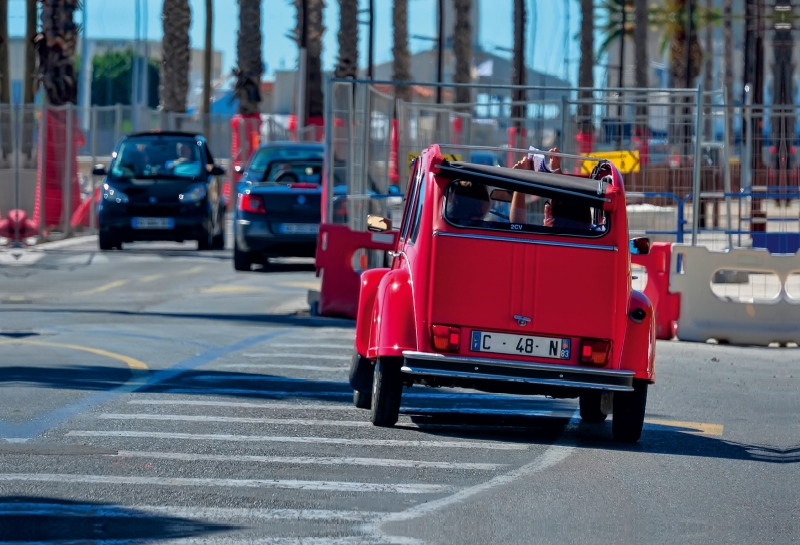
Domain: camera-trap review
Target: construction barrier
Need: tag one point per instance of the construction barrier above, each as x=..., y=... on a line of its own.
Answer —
x=665, y=303
x=761, y=304
x=336, y=247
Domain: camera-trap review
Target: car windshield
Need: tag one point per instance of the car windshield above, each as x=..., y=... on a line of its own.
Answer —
x=150, y=158
x=290, y=172
x=266, y=156
x=477, y=205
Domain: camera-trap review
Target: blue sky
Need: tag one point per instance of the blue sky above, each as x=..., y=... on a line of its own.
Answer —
x=115, y=19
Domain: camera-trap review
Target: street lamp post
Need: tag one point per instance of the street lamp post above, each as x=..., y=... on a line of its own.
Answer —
x=440, y=51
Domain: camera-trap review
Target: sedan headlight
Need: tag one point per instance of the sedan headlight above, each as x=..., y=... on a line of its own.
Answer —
x=113, y=194
x=194, y=194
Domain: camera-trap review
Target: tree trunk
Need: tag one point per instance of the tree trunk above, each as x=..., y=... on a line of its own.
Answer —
x=401, y=63
x=586, y=65
x=727, y=47
x=208, y=53
x=708, y=72
x=249, y=65
x=55, y=46
x=5, y=75
x=347, y=63
x=316, y=29
x=28, y=79
x=640, y=43
x=518, y=70
x=462, y=48
x=176, y=18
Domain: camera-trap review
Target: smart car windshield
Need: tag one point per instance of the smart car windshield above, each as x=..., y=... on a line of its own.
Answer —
x=151, y=158
x=478, y=205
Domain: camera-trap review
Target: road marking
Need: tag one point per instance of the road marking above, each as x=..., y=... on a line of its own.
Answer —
x=236, y=289
x=191, y=512
x=306, y=345
x=310, y=460
x=696, y=428
x=104, y=287
x=493, y=412
x=308, y=285
x=263, y=378
x=133, y=363
x=302, y=393
x=312, y=440
x=288, y=355
x=151, y=278
x=283, y=484
x=282, y=366
x=193, y=270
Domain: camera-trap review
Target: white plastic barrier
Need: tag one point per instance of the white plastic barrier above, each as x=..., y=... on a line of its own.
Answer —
x=707, y=315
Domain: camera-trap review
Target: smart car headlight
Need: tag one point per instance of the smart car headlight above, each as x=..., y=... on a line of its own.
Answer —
x=195, y=193
x=113, y=194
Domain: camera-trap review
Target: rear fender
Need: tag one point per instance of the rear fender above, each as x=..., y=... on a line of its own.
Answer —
x=393, y=323
x=639, y=351
x=370, y=280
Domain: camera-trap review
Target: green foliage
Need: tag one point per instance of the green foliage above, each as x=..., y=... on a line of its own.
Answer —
x=112, y=79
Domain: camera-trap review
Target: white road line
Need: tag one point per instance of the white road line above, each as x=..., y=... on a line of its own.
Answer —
x=303, y=356
x=305, y=393
x=311, y=440
x=349, y=346
x=493, y=412
x=282, y=366
x=283, y=484
x=217, y=514
x=246, y=540
x=310, y=460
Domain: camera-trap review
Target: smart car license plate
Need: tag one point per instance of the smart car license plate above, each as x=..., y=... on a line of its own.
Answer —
x=153, y=223
x=299, y=228
x=520, y=345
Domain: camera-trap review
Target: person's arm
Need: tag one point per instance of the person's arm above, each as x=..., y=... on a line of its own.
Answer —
x=518, y=213
x=555, y=161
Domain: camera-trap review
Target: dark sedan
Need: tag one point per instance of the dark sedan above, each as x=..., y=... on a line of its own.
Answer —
x=161, y=186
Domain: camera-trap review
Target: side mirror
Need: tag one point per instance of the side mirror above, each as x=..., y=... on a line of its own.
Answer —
x=378, y=224
x=99, y=170
x=501, y=195
x=640, y=246
x=217, y=171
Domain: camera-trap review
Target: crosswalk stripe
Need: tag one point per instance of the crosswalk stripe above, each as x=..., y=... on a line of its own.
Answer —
x=236, y=419
x=349, y=346
x=310, y=460
x=194, y=512
x=284, y=484
x=310, y=440
x=292, y=355
x=309, y=393
x=282, y=366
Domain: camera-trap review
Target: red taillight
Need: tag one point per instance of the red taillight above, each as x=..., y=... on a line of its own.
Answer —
x=251, y=203
x=595, y=351
x=446, y=338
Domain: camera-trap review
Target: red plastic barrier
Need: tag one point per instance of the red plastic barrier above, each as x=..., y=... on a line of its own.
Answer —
x=667, y=305
x=245, y=131
x=17, y=226
x=336, y=246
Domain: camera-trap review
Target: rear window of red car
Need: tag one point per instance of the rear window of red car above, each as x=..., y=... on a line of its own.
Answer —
x=482, y=206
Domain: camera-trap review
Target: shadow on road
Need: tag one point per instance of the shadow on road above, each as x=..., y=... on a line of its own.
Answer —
x=44, y=520
x=84, y=377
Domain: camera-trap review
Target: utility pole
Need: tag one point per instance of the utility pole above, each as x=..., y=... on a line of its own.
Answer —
x=302, y=98
x=371, y=48
x=440, y=51
x=689, y=37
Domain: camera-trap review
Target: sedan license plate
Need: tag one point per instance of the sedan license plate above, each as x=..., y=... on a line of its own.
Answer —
x=299, y=228
x=153, y=223
x=520, y=345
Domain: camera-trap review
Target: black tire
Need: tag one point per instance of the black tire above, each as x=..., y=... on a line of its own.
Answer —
x=629, y=408
x=362, y=400
x=106, y=241
x=206, y=241
x=241, y=261
x=218, y=242
x=361, y=372
x=387, y=389
x=590, y=407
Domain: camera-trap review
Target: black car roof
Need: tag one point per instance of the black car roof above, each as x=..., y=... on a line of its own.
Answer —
x=547, y=184
x=182, y=134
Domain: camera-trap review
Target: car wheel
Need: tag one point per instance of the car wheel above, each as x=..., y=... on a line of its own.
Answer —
x=241, y=261
x=106, y=241
x=629, y=407
x=387, y=389
x=218, y=242
x=362, y=400
x=206, y=241
x=591, y=411
x=361, y=372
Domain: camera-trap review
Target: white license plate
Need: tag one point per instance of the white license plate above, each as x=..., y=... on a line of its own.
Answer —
x=299, y=228
x=520, y=345
x=153, y=223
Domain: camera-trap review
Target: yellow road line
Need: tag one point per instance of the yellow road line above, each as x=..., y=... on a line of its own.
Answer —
x=152, y=277
x=698, y=428
x=236, y=289
x=133, y=363
x=105, y=287
x=193, y=270
x=309, y=285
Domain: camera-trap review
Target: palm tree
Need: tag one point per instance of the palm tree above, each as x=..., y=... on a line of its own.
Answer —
x=518, y=69
x=619, y=25
x=462, y=48
x=401, y=63
x=176, y=17
x=347, y=63
x=316, y=29
x=207, y=62
x=28, y=81
x=727, y=55
x=249, y=66
x=586, y=66
x=55, y=47
x=640, y=27
x=5, y=86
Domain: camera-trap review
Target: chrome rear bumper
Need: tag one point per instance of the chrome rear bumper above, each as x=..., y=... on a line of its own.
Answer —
x=556, y=375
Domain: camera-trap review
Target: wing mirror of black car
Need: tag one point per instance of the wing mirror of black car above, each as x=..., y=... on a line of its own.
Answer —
x=217, y=171
x=99, y=170
x=640, y=246
x=378, y=224
x=501, y=195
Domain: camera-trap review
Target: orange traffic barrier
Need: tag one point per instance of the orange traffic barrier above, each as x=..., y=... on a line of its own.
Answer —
x=666, y=304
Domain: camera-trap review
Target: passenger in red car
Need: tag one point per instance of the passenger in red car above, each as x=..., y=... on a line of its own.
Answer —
x=468, y=201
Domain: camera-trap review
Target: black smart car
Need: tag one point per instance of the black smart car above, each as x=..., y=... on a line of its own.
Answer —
x=161, y=186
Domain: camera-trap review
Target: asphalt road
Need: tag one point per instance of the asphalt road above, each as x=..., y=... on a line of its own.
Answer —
x=153, y=393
